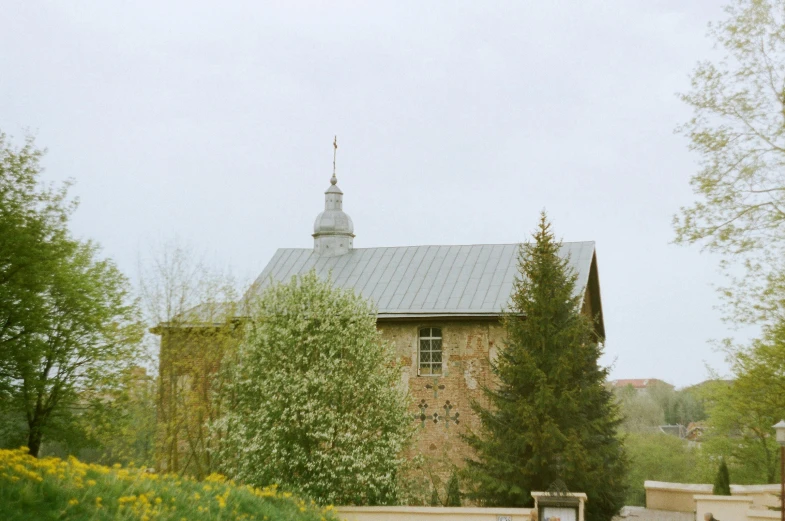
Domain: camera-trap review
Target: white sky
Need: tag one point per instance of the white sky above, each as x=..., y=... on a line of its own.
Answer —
x=457, y=123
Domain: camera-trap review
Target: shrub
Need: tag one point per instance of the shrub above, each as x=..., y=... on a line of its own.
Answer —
x=722, y=481
x=52, y=488
x=319, y=406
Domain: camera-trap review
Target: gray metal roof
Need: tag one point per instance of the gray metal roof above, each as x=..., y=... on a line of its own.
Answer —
x=410, y=281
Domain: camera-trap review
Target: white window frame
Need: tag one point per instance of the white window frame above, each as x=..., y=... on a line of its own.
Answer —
x=430, y=339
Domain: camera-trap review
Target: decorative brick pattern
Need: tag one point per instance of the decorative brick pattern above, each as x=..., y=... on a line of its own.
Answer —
x=442, y=404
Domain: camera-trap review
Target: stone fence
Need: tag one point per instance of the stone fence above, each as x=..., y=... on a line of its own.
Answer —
x=746, y=502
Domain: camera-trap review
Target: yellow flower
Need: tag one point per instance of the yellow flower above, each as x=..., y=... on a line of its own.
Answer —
x=215, y=478
x=73, y=502
x=90, y=482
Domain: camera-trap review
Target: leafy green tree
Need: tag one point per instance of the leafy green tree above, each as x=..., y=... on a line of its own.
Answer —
x=741, y=413
x=453, y=491
x=551, y=416
x=67, y=322
x=33, y=235
x=659, y=457
x=319, y=405
x=722, y=480
x=738, y=131
x=681, y=407
x=639, y=411
x=121, y=421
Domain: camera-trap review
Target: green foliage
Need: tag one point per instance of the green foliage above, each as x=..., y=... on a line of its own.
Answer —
x=722, y=480
x=67, y=323
x=318, y=403
x=435, y=501
x=743, y=411
x=551, y=416
x=737, y=130
x=681, y=407
x=453, y=491
x=659, y=405
x=121, y=423
x=659, y=457
x=640, y=412
x=51, y=488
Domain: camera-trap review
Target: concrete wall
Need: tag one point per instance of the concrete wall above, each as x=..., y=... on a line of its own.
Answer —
x=432, y=513
x=729, y=508
x=762, y=515
x=673, y=496
x=763, y=496
x=682, y=497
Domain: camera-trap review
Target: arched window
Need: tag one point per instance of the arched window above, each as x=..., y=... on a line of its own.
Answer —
x=430, y=352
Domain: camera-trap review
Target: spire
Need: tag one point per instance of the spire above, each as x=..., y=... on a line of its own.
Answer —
x=333, y=231
x=333, y=179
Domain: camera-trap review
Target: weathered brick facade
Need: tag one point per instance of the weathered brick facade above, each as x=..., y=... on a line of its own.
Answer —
x=468, y=347
x=441, y=404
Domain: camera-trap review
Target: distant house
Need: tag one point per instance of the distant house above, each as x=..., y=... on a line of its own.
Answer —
x=680, y=431
x=642, y=385
x=695, y=430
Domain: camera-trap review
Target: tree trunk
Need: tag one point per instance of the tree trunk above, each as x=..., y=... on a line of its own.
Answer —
x=34, y=438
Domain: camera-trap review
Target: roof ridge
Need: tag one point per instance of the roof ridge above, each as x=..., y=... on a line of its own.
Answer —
x=445, y=245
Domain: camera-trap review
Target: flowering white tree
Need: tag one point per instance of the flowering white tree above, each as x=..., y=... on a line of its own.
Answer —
x=318, y=405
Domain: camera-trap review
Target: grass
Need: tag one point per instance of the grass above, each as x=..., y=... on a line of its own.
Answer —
x=52, y=488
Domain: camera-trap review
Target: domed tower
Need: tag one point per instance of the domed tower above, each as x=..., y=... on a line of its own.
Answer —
x=333, y=231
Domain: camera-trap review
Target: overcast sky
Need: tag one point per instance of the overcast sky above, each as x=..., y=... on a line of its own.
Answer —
x=457, y=123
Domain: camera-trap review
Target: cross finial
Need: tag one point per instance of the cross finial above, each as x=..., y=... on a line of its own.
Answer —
x=334, y=179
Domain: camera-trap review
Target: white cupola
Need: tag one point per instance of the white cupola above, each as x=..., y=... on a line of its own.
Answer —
x=333, y=230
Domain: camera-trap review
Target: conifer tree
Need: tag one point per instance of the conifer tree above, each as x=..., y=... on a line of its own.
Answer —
x=453, y=491
x=550, y=416
x=722, y=481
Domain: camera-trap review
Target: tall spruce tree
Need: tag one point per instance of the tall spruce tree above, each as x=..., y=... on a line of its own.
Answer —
x=550, y=417
x=722, y=480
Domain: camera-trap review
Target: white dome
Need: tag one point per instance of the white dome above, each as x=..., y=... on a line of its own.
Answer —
x=333, y=222
x=333, y=230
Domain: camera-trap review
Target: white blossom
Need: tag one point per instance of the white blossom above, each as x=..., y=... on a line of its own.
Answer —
x=318, y=408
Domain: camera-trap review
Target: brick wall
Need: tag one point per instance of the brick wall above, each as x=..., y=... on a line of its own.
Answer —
x=189, y=358
x=467, y=348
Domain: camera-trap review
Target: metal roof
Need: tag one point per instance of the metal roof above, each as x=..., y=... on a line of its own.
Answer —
x=410, y=281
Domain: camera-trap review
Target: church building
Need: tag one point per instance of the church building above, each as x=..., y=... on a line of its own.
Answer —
x=440, y=306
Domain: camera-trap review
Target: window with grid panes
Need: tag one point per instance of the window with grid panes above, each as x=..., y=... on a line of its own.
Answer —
x=430, y=350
